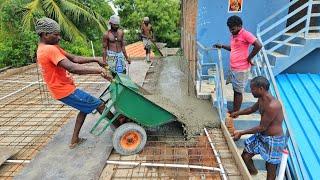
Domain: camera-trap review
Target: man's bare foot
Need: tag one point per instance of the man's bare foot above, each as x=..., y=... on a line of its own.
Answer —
x=253, y=171
x=77, y=143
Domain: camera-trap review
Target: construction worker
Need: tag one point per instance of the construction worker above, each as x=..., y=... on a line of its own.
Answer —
x=240, y=59
x=114, y=52
x=55, y=63
x=267, y=139
x=147, y=36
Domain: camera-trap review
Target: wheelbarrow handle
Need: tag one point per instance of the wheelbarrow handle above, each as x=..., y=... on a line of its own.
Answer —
x=106, y=91
x=104, y=117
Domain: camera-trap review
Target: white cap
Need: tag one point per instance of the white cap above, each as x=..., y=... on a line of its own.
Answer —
x=114, y=19
x=146, y=19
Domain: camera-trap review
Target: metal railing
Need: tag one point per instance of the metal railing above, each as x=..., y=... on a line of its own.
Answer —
x=201, y=65
x=214, y=60
x=263, y=66
x=264, y=28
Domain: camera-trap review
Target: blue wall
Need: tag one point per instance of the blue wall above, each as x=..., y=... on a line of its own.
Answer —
x=213, y=15
x=309, y=64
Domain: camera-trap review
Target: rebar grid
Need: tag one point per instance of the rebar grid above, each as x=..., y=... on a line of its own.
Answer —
x=168, y=150
x=29, y=118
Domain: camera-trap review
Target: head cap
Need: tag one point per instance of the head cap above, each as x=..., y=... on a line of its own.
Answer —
x=114, y=19
x=146, y=19
x=47, y=25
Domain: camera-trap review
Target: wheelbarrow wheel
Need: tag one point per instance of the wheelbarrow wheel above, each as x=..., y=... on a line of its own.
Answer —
x=129, y=139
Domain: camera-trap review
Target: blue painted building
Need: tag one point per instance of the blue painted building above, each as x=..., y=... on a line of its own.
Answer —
x=290, y=58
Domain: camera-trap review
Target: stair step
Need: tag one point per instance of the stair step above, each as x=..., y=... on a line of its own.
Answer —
x=258, y=162
x=312, y=35
x=245, y=124
x=277, y=54
x=254, y=116
x=288, y=43
x=261, y=175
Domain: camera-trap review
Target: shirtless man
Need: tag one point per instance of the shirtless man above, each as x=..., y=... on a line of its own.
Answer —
x=267, y=139
x=114, y=52
x=147, y=36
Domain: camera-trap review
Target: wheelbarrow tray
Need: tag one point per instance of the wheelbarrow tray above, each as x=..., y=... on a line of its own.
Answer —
x=127, y=100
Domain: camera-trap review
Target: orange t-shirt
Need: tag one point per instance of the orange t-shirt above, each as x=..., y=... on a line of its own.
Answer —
x=58, y=81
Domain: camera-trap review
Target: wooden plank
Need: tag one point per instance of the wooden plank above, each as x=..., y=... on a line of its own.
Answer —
x=233, y=148
x=57, y=161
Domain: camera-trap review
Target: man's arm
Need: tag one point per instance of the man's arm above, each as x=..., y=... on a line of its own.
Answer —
x=142, y=31
x=104, y=47
x=123, y=47
x=152, y=33
x=81, y=59
x=246, y=111
x=256, y=48
x=268, y=116
x=75, y=68
x=226, y=47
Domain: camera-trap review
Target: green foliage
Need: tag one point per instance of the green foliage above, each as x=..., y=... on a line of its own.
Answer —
x=70, y=14
x=17, y=46
x=18, y=42
x=164, y=16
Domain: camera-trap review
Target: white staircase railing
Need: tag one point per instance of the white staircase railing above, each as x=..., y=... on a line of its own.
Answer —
x=206, y=52
x=278, y=27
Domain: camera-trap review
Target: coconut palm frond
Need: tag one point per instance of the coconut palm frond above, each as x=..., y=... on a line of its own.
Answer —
x=53, y=10
x=28, y=15
x=79, y=10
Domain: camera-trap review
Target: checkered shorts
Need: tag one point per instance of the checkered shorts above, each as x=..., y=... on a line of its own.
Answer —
x=269, y=147
x=238, y=79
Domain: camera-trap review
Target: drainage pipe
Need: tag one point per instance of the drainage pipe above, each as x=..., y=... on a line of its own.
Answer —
x=223, y=173
x=128, y=163
x=18, y=161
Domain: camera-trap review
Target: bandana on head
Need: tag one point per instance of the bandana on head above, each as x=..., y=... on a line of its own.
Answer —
x=47, y=25
x=114, y=19
x=146, y=19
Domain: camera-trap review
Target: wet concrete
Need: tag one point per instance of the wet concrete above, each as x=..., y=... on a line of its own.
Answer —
x=170, y=92
x=137, y=71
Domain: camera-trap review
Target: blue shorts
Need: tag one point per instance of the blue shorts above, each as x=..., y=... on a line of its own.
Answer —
x=82, y=101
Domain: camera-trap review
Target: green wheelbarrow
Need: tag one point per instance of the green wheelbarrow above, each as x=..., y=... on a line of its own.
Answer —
x=124, y=99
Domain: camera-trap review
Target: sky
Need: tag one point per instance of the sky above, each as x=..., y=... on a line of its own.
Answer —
x=110, y=2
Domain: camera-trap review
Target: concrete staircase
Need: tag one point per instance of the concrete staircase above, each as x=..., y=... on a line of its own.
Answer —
x=292, y=51
x=245, y=122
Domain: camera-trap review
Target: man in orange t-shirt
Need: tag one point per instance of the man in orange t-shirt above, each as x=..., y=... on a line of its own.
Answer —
x=55, y=64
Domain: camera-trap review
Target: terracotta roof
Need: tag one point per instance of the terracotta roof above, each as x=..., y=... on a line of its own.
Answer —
x=136, y=50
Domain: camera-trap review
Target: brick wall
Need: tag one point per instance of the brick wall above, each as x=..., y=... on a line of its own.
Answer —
x=188, y=33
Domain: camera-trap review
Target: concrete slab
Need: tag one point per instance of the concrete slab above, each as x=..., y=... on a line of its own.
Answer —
x=6, y=153
x=57, y=161
x=138, y=70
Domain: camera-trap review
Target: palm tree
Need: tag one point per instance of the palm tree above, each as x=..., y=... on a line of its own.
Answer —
x=68, y=13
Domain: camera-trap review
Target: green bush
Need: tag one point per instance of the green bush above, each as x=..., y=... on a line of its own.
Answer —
x=18, y=46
